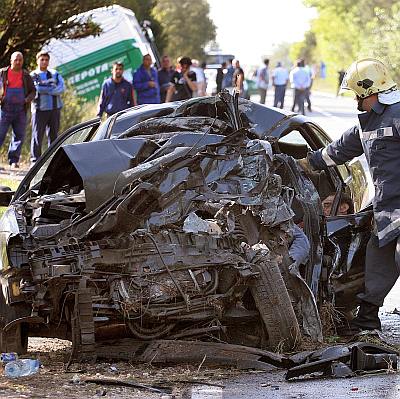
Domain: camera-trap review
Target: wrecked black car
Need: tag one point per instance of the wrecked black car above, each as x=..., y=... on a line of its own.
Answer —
x=174, y=221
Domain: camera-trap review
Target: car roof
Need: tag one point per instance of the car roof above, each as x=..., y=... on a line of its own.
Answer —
x=263, y=120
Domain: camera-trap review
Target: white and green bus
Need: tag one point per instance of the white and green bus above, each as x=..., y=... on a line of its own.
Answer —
x=86, y=63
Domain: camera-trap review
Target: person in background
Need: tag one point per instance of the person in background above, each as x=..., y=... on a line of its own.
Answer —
x=164, y=76
x=238, y=76
x=46, y=108
x=116, y=92
x=280, y=78
x=322, y=70
x=203, y=67
x=18, y=90
x=145, y=82
x=310, y=70
x=300, y=80
x=263, y=81
x=200, y=79
x=341, y=75
x=346, y=205
x=220, y=76
x=228, y=78
x=183, y=82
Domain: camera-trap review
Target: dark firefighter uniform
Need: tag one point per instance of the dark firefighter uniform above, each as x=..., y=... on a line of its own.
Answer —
x=378, y=137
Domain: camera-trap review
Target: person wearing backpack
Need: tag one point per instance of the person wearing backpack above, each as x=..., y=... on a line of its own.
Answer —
x=46, y=108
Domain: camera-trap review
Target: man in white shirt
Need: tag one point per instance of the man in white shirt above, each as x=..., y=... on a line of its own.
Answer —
x=200, y=79
x=280, y=77
x=300, y=81
x=262, y=81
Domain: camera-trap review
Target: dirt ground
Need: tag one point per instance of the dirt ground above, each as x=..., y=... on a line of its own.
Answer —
x=54, y=381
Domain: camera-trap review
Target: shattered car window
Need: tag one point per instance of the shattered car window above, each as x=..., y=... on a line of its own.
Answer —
x=79, y=137
x=294, y=137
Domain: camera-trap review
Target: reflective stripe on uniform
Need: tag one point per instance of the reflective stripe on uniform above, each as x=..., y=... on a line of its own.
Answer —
x=388, y=229
x=328, y=160
x=378, y=133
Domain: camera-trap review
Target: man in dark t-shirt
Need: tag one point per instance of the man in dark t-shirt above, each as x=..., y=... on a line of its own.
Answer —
x=164, y=76
x=236, y=74
x=183, y=82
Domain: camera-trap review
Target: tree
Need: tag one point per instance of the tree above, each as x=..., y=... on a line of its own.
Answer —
x=346, y=30
x=304, y=49
x=26, y=25
x=187, y=26
x=385, y=29
x=143, y=10
x=280, y=53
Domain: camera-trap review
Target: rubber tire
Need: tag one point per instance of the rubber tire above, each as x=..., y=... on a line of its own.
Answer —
x=273, y=302
x=16, y=339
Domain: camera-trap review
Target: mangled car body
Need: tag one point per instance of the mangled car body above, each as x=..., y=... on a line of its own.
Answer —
x=178, y=229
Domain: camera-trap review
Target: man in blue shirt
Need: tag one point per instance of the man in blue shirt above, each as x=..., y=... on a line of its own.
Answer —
x=46, y=108
x=145, y=82
x=227, y=82
x=300, y=80
x=116, y=92
x=280, y=77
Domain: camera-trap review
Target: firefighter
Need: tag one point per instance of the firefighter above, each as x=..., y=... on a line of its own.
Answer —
x=378, y=137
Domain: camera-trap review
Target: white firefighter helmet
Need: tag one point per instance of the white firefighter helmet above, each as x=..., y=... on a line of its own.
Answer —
x=366, y=77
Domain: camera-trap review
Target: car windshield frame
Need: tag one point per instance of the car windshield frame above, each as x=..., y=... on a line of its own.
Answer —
x=59, y=142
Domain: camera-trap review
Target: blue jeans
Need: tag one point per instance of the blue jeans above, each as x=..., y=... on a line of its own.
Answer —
x=43, y=122
x=13, y=115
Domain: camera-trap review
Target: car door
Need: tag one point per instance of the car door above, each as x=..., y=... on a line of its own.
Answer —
x=354, y=174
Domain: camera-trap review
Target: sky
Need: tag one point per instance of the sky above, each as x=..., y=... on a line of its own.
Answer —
x=249, y=29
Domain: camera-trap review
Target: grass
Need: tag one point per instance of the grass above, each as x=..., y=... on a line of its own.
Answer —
x=325, y=85
x=8, y=182
x=13, y=184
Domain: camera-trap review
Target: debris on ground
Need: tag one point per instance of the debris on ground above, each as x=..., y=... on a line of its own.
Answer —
x=343, y=361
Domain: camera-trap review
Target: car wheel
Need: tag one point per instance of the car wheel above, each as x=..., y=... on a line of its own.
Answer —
x=273, y=302
x=15, y=339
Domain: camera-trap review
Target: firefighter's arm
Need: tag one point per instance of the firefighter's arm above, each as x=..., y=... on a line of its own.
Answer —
x=338, y=152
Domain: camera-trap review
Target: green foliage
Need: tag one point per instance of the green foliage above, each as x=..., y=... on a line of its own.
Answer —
x=26, y=25
x=187, y=26
x=143, y=11
x=346, y=30
x=385, y=28
x=75, y=109
x=280, y=52
x=304, y=49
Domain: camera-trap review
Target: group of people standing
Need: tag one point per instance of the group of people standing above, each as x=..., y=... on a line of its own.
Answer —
x=152, y=86
x=42, y=89
x=300, y=78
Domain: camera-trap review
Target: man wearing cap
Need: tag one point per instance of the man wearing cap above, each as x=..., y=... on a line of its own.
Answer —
x=378, y=137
